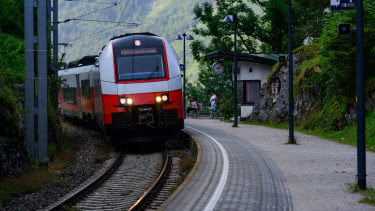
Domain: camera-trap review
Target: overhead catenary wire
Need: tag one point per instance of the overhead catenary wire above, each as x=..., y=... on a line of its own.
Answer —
x=88, y=35
x=94, y=2
x=104, y=21
x=70, y=19
x=119, y=23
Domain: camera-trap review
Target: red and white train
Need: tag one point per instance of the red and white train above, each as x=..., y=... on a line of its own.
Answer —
x=133, y=90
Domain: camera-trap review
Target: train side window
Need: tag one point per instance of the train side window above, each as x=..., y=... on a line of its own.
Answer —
x=86, y=92
x=70, y=96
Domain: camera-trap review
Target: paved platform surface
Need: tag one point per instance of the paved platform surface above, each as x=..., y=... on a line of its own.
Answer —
x=251, y=168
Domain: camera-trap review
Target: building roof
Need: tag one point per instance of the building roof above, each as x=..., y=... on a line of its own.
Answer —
x=269, y=59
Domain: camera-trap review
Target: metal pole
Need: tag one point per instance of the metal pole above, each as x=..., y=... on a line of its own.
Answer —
x=42, y=82
x=55, y=35
x=29, y=77
x=184, y=96
x=291, y=124
x=361, y=136
x=235, y=71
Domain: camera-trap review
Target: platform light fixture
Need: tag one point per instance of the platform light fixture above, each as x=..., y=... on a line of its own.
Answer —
x=187, y=37
x=227, y=19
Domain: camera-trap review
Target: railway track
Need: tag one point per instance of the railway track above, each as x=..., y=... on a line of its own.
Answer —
x=129, y=183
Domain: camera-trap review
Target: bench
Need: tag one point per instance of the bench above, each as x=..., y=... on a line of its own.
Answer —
x=195, y=113
x=216, y=113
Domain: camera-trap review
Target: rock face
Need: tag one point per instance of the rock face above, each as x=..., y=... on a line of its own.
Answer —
x=14, y=158
x=267, y=109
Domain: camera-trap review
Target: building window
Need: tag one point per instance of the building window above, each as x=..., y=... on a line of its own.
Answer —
x=248, y=92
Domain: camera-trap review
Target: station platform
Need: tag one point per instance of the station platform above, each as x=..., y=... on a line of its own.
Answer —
x=251, y=168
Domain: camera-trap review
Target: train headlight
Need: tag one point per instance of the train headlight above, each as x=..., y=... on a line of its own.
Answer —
x=125, y=101
x=158, y=99
x=164, y=98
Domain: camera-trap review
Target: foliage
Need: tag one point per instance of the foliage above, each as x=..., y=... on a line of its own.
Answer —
x=11, y=59
x=338, y=54
x=369, y=193
x=11, y=17
x=329, y=66
x=225, y=104
x=195, y=90
x=269, y=27
x=10, y=113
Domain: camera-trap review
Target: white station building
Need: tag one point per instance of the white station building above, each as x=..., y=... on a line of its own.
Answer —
x=252, y=73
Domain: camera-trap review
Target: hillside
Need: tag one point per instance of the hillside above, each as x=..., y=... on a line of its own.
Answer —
x=166, y=18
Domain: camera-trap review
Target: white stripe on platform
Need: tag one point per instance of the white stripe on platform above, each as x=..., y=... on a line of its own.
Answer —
x=224, y=175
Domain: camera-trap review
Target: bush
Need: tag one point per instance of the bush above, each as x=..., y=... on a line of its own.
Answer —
x=11, y=59
x=226, y=105
x=10, y=114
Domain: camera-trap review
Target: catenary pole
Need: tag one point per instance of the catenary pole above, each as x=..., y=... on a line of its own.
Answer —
x=361, y=142
x=29, y=77
x=42, y=82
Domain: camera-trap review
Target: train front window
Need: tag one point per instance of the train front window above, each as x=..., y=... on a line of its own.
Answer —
x=140, y=67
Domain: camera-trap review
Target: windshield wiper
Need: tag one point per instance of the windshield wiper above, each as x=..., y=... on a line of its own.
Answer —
x=155, y=71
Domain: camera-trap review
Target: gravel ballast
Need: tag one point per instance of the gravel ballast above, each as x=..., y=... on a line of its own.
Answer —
x=317, y=171
x=81, y=167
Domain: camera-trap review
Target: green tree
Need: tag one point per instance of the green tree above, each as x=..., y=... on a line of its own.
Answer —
x=259, y=21
x=338, y=53
x=11, y=17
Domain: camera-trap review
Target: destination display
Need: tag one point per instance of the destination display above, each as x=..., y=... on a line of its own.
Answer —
x=141, y=51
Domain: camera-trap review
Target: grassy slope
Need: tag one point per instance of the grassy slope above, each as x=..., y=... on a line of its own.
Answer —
x=346, y=136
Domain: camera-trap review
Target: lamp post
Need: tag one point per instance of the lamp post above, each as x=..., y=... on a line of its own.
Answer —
x=188, y=37
x=233, y=18
x=291, y=121
x=361, y=121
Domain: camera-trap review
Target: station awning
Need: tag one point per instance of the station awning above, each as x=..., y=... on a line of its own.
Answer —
x=269, y=59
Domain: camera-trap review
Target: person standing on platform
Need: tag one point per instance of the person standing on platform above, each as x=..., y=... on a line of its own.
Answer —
x=213, y=104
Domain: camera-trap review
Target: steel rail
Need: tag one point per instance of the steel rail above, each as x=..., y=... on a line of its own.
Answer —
x=144, y=197
x=98, y=180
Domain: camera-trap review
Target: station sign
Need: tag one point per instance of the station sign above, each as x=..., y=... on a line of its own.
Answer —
x=342, y=4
